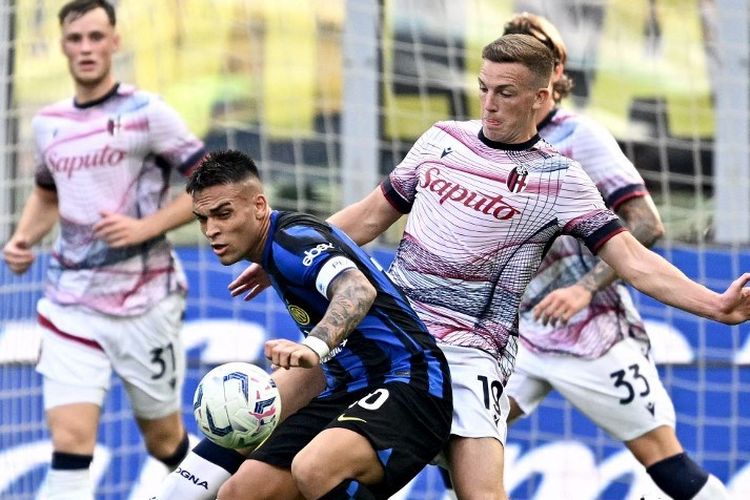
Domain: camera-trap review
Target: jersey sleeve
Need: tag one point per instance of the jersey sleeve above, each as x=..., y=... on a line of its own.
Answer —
x=602, y=159
x=581, y=211
x=171, y=139
x=400, y=187
x=310, y=258
x=42, y=174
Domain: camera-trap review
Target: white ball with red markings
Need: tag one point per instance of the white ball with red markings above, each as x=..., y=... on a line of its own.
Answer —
x=237, y=405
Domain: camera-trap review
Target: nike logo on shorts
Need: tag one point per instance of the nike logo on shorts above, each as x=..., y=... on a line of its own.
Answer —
x=344, y=418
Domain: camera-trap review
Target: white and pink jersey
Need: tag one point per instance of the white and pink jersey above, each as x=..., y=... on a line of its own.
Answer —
x=611, y=316
x=482, y=214
x=114, y=155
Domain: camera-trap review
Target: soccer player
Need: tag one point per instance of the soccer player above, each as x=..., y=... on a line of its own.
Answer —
x=485, y=199
x=579, y=328
x=114, y=294
x=386, y=409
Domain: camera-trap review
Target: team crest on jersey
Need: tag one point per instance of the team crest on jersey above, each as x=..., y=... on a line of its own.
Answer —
x=299, y=315
x=114, y=125
x=517, y=179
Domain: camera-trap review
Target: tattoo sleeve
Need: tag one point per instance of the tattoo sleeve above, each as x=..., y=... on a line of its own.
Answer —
x=642, y=219
x=351, y=297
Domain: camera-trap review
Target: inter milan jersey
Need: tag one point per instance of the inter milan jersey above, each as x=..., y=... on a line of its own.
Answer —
x=111, y=155
x=481, y=216
x=611, y=315
x=302, y=256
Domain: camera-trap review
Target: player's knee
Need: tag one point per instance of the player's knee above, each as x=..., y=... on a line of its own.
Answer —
x=309, y=475
x=233, y=488
x=678, y=476
x=73, y=438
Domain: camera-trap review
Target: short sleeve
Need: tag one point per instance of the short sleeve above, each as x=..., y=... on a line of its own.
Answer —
x=613, y=173
x=171, y=139
x=581, y=211
x=42, y=175
x=300, y=253
x=400, y=187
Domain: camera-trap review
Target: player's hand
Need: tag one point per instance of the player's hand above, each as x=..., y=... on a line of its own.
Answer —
x=251, y=281
x=18, y=255
x=119, y=230
x=287, y=354
x=735, y=302
x=562, y=304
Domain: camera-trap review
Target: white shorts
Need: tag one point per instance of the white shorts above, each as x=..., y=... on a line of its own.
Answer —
x=620, y=392
x=80, y=349
x=480, y=405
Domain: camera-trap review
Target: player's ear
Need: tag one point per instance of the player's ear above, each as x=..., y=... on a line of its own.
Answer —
x=542, y=94
x=261, y=205
x=116, y=41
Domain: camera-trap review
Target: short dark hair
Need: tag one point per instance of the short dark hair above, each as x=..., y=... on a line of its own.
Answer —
x=525, y=50
x=543, y=30
x=221, y=168
x=77, y=8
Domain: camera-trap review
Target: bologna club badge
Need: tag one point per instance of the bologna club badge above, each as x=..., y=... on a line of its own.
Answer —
x=114, y=125
x=517, y=179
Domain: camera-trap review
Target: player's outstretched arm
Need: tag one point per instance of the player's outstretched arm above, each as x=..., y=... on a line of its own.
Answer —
x=351, y=296
x=654, y=276
x=642, y=219
x=39, y=215
x=366, y=219
x=119, y=230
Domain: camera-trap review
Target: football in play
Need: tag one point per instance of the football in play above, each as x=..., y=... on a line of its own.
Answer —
x=237, y=405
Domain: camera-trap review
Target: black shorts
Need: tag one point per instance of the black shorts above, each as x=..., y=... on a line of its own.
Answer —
x=394, y=416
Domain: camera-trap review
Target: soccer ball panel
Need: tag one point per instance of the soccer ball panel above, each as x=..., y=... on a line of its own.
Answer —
x=237, y=405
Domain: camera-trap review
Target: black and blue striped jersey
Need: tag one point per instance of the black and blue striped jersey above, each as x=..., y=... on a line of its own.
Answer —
x=391, y=344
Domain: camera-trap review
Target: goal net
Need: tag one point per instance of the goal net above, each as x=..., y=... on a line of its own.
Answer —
x=328, y=96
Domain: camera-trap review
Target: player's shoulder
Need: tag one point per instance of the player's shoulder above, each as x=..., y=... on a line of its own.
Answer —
x=296, y=227
x=136, y=97
x=56, y=109
x=578, y=124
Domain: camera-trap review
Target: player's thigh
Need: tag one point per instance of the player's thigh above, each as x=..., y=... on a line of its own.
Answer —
x=401, y=429
x=332, y=457
x=259, y=480
x=477, y=468
x=75, y=365
x=298, y=429
x=527, y=386
x=147, y=353
x=620, y=392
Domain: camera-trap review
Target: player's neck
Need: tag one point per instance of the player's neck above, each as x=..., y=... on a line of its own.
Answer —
x=89, y=93
x=256, y=253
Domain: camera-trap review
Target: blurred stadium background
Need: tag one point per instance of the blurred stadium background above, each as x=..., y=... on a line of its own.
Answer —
x=328, y=95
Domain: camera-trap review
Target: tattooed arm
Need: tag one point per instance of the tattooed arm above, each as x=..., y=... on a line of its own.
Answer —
x=642, y=219
x=351, y=296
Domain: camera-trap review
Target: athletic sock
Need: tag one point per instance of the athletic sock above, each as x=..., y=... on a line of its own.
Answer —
x=68, y=478
x=200, y=475
x=678, y=476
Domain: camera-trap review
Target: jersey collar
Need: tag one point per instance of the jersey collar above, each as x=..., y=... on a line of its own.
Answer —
x=96, y=102
x=511, y=147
